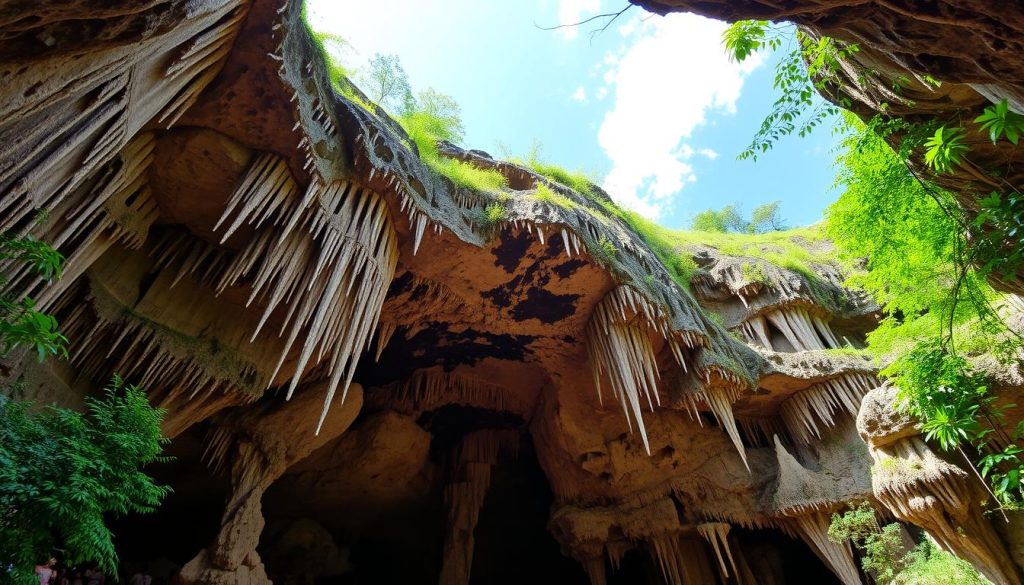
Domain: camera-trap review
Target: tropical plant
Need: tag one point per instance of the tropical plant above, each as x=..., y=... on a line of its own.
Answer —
x=21, y=324
x=63, y=472
x=811, y=64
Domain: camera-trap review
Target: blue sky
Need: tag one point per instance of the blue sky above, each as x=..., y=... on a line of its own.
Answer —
x=651, y=107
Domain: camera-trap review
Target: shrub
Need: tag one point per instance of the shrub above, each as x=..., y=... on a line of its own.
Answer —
x=62, y=472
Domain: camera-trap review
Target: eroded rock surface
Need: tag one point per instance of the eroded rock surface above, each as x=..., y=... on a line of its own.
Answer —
x=383, y=378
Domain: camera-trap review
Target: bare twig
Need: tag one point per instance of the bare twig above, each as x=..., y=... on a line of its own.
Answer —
x=612, y=16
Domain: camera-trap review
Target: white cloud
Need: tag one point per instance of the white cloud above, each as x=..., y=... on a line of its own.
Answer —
x=672, y=75
x=580, y=95
x=572, y=11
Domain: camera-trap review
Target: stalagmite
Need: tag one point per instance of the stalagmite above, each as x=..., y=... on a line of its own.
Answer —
x=331, y=260
x=255, y=445
x=469, y=477
x=813, y=529
x=717, y=535
x=619, y=345
x=806, y=412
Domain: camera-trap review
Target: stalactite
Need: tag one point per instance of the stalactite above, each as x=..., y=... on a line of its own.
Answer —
x=759, y=430
x=384, y=332
x=806, y=412
x=430, y=389
x=595, y=569
x=717, y=535
x=813, y=529
x=920, y=488
x=267, y=192
x=755, y=330
x=331, y=260
x=117, y=206
x=719, y=396
x=200, y=60
x=665, y=549
x=97, y=129
x=802, y=330
x=619, y=345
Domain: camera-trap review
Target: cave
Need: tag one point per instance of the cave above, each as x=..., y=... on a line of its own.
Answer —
x=368, y=377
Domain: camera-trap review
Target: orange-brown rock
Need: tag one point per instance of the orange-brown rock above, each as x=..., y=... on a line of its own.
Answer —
x=279, y=269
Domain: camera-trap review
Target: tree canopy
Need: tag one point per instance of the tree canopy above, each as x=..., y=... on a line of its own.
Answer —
x=765, y=218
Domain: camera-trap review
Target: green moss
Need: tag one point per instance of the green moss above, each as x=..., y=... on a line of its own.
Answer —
x=605, y=251
x=545, y=194
x=493, y=214
x=848, y=352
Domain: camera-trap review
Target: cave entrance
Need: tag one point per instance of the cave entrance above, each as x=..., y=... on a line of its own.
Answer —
x=188, y=520
x=513, y=544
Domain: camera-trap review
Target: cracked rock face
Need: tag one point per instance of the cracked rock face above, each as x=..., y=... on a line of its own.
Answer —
x=381, y=381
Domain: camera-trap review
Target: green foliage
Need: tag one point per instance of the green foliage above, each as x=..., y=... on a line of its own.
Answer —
x=945, y=148
x=999, y=121
x=956, y=409
x=882, y=551
x=605, y=252
x=810, y=65
x=911, y=234
x=63, y=472
x=743, y=38
x=545, y=194
x=463, y=174
x=884, y=555
x=927, y=565
x=438, y=114
x=20, y=323
x=905, y=231
x=765, y=218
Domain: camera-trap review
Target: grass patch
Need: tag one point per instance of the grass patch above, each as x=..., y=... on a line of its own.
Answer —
x=466, y=175
x=575, y=180
x=493, y=214
x=545, y=194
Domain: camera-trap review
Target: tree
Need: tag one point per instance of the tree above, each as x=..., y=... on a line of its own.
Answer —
x=62, y=471
x=387, y=84
x=765, y=218
x=441, y=113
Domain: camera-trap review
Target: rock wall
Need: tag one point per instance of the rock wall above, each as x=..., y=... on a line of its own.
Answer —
x=280, y=270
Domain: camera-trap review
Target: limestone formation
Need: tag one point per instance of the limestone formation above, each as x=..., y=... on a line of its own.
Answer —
x=378, y=376
x=919, y=487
